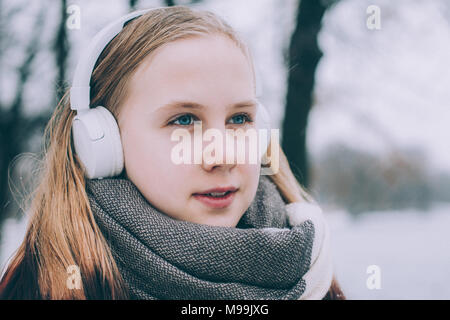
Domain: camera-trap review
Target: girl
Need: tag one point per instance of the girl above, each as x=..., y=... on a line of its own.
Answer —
x=156, y=229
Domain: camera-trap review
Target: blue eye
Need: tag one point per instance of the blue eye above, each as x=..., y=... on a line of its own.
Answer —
x=183, y=120
x=241, y=118
x=188, y=119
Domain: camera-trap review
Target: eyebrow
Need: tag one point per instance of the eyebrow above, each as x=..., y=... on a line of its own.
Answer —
x=195, y=105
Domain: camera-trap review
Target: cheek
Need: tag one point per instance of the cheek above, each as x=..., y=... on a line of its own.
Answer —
x=144, y=149
x=251, y=173
x=149, y=166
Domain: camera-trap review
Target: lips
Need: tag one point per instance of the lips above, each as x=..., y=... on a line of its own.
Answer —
x=217, y=191
x=217, y=197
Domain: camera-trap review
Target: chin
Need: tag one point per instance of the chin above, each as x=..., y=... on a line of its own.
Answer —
x=220, y=222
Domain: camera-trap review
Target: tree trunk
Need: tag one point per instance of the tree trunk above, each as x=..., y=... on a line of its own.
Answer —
x=61, y=50
x=15, y=126
x=132, y=4
x=304, y=56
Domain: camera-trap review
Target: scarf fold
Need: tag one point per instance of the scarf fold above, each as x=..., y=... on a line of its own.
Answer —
x=276, y=251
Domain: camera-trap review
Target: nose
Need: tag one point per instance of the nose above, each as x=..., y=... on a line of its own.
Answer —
x=215, y=150
x=217, y=166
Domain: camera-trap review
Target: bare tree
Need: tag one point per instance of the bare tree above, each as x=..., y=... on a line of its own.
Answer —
x=171, y=3
x=304, y=56
x=61, y=50
x=16, y=128
x=132, y=4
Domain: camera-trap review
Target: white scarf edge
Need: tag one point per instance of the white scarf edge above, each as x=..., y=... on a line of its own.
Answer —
x=319, y=277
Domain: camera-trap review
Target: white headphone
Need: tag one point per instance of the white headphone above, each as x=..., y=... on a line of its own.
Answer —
x=95, y=131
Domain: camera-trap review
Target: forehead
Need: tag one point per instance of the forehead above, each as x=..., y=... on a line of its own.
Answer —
x=196, y=51
x=200, y=67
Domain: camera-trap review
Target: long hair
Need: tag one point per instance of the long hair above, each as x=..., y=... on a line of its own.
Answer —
x=61, y=229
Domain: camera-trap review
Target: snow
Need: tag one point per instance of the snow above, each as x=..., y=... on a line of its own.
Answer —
x=410, y=247
x=13, y=232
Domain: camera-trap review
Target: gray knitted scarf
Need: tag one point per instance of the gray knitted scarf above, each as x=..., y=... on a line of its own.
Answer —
x=159, y=257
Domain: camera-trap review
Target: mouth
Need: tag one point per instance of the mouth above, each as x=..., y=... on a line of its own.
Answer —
x=217, y=197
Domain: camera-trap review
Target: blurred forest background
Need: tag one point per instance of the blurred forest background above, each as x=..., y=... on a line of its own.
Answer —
x=364, y=116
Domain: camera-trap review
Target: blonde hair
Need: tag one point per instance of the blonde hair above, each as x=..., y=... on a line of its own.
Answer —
x=62, y=230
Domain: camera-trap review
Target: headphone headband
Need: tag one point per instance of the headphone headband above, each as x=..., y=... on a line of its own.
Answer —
x=80, y=89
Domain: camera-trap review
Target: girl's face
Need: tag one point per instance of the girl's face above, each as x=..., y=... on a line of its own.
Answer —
x=204, y=78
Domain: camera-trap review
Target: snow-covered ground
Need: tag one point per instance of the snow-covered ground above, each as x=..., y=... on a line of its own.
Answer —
x=411, y=248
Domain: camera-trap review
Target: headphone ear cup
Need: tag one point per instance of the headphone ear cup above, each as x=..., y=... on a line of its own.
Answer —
x=263, y=122
x=97, y=143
